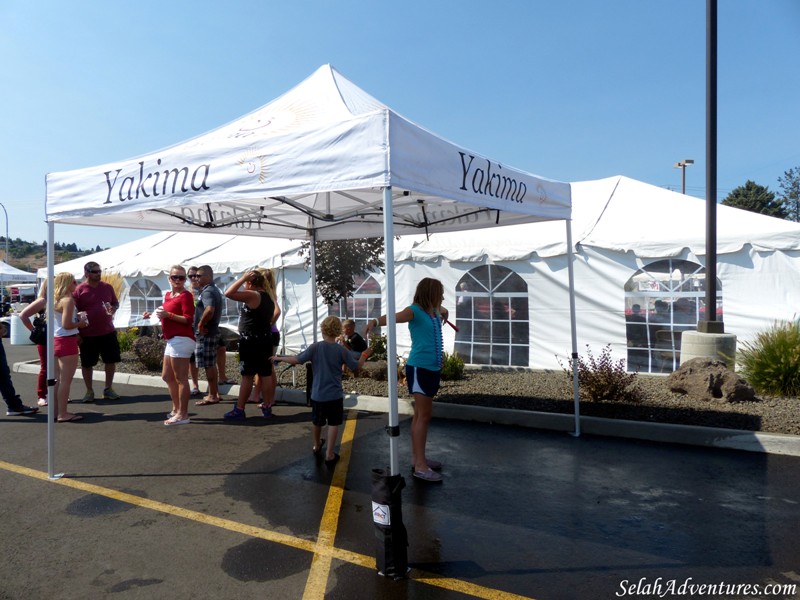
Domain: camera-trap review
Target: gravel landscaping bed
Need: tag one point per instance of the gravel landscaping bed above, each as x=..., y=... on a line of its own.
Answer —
x=551, y=391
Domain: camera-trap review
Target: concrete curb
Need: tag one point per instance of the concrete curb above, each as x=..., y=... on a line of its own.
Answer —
x=711, y=437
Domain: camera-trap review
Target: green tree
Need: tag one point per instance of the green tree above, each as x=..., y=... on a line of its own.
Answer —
x=755, y=198
x=338, y=262
x=790, y=193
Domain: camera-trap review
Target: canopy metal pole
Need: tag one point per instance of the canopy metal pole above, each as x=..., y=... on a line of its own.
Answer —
x=391, y=337
x=314, y=312
x=573, y=331
x=51, y=358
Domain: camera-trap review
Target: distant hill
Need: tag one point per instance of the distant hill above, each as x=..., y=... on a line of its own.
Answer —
x=30, y=256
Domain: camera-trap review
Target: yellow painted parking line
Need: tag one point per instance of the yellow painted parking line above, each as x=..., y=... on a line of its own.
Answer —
x=321, y=564
x=323, y=549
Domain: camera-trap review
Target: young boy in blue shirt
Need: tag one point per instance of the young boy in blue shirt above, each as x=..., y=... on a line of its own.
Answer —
x=327, y=398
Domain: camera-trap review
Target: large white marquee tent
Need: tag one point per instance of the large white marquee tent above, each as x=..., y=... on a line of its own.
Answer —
x=323, y=161
x=620, y=226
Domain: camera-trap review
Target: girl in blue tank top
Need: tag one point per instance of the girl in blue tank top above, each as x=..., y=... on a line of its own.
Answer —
x=423, y=368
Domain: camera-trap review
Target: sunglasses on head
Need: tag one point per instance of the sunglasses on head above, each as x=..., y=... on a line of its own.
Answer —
x=177, y=277
x=94, y=271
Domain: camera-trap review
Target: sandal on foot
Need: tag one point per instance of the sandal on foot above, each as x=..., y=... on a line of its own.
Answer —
x=70, y=419
x=207, y=401
x=318, y=449
x=331, y=462
x=227, y=382
x=428, y=475
x=432, y=464
x=176, y=421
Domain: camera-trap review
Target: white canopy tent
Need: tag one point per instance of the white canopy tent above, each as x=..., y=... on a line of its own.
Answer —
x=323, y=161
x=12, y=274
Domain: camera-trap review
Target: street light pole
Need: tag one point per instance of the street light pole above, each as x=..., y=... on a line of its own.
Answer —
x=682, y=166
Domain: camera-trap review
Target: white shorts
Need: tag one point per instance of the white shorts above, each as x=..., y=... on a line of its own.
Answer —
x=179, y=347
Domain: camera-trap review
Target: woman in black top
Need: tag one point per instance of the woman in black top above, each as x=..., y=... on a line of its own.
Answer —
x=255, y=331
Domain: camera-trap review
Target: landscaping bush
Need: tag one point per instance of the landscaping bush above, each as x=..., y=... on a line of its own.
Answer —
x=771, y=363
x=603, y=379
x=126, y=338
x=150, y=352
x=452, y=367
x=378, y=345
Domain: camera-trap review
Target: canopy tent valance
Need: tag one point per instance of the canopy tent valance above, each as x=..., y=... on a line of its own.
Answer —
x=323, y=161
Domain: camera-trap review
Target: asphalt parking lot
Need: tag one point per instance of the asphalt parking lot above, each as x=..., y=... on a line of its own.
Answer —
x=245, y=510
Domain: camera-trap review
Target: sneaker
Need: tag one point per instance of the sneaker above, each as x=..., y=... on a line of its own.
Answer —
x=237, y=414
x=21, y=410
x=110, y=394
x=87, y=398
x=266, y=411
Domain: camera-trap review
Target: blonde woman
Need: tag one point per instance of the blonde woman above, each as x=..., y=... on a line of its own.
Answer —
x=177, y=317
x=272, y=382
x=255, y=337
x=38, y=306
x=423, y=368
x=65, y=341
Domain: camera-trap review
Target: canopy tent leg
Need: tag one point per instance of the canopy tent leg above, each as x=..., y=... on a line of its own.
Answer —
x=391, y=337
x=387, y=513
x=573, y=330
x=51, y=358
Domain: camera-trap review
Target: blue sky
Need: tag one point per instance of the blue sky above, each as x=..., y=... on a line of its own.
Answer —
x=570, y=90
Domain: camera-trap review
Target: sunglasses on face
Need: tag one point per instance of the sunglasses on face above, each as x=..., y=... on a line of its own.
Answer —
x=194, y=276
x=94, y=271
x=177, y=277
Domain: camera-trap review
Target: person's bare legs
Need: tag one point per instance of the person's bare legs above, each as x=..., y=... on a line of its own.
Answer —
x=194, y=372
x=316, y=432
x=333, y=433
x=111, y=368
x=256, y=393
x=65, y=372
x=222, y=357
x=245, y=387
x=423, y=410
x=180, y=369
x=87, y=373
x=272, y=385
x=168, y=375
x=213, y=383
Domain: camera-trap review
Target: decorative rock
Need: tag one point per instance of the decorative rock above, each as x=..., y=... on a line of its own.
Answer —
x=706, y=379
x=373, y=370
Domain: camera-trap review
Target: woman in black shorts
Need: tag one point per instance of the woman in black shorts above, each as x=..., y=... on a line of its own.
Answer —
x=255, y=341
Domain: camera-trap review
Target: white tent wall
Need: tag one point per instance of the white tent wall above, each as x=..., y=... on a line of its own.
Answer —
x=751, y=303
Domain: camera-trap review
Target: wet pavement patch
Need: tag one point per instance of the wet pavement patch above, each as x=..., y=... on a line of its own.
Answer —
x=258, y=560
x=93, y=505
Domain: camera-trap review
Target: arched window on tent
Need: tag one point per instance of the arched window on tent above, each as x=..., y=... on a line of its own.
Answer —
x=144, y=295
x=364, y=304
x=492, y=317
x=663, y=299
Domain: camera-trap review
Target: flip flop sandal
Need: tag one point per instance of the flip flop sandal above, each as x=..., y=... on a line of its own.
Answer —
x=428, y=475
x=206, y=402
x=71, y=419
x=318, y=450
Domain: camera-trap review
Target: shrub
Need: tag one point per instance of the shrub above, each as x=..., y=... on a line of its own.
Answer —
x=771, y=363
x=150, y=352
x=378, y=345
x=126, y=338
x=452, y=367
x=603, y=379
